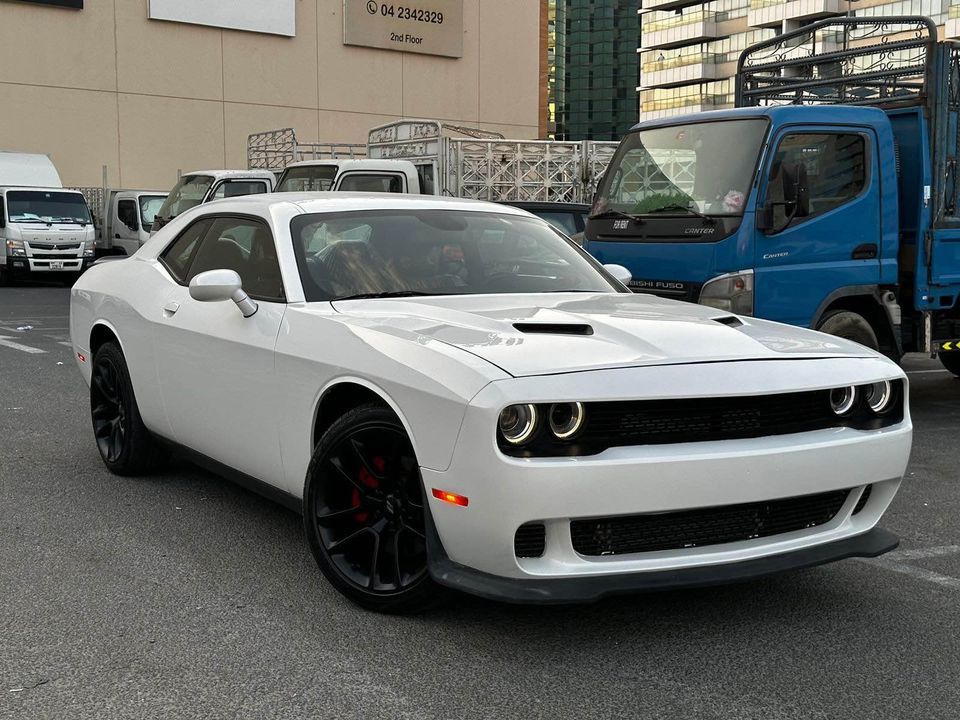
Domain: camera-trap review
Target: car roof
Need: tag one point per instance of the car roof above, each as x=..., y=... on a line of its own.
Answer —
x=327, y=202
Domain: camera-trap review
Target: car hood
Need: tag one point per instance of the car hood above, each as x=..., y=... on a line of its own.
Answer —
x=571, y=332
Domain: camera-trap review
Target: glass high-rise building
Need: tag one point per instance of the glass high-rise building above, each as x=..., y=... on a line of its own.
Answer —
x=595, y=68
x=689, y=49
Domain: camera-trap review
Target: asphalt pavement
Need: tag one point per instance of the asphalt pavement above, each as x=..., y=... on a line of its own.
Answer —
x=184, y=596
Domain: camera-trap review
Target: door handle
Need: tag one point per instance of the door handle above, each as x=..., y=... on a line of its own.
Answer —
x=170, y=309
x=116, y=236
x=867, y=251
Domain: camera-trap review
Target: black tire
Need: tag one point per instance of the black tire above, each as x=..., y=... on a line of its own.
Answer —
x=951, y=361
x=125, y=444
x=364, y=513
x=849, y=326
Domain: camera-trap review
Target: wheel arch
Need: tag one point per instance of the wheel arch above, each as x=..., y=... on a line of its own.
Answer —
x=103, y=331
x=345, y=393
x=865, y=300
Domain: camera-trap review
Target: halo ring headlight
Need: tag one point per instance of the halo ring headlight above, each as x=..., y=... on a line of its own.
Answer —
x=517, y=423
x=879, y=396
x=566, y=419
x=842, y=399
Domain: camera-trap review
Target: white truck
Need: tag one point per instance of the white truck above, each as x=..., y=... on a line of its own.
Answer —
x=201, y=186
x=362, y=175
x=126, y=220
x=448, y=160
x=44, y=229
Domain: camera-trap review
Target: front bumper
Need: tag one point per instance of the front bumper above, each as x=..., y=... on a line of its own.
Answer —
x=473, y=546
x=24, y=265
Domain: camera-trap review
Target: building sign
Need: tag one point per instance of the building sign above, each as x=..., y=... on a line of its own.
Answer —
x=276, y=17
x=431, y=27
x=77, y=4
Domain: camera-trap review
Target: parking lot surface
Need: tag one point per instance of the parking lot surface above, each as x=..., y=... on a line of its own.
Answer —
x=181, y=595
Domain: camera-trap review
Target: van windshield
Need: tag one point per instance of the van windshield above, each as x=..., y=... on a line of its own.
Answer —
x=24, y=206
x=309, y=178
x=187, y=193
x=704, y=167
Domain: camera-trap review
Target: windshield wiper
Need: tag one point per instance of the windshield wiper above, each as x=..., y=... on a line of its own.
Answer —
x=390, y=294
x=616, y=213
x=685, y=208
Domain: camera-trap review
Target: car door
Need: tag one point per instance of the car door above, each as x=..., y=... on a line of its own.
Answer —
x=216, y=367
x=126, y=225
x=805, y=256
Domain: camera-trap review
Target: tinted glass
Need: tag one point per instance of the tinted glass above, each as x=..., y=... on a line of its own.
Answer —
x=246, y=247
x=357, y=182
x=127, y=213
x=835, y=166
x=178, y=256
x=238, y=188
x=311, y=178
x=41, y=206
x=437, y=252
x=563, y=221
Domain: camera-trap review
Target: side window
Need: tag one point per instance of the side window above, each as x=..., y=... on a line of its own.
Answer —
x=180, y=253
x=245, y=246
x=127, y=214
x=834, y=165
x=236, y=188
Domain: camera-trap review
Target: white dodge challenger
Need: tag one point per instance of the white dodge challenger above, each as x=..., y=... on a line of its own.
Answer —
x=455, y=396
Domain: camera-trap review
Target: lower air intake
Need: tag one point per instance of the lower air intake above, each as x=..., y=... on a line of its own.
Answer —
x=705, y=526
x=530, y=540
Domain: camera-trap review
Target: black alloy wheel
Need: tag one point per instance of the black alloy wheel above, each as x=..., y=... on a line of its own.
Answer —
x=364, y=513
x=125, y=444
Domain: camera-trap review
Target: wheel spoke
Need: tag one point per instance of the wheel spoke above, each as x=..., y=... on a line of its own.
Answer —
x=410, y=528
x=329, y=517
x=338, y=546
x=396, y=558
x=355, y=445
x=375, y=560
x=337, y=465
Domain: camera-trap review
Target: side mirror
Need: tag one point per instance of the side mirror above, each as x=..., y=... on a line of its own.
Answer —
x=220, y=285
x=796, y=200
x=619, y=273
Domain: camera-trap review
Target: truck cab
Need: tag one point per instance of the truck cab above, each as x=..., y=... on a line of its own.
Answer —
x=796, y=207
x=44, y=228
x=201, y=186
x=128, y=220
x=360, y=175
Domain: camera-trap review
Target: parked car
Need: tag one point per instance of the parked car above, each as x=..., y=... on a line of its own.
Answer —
x=455, y=397
x=568, y=218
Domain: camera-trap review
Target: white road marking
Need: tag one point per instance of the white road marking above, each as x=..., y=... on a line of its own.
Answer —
x=65, y=343
x=892, y=561
x=7, y=342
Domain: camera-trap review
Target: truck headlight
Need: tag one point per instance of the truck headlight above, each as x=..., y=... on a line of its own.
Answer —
x=732, y=292
x=15, y=248
x=90, y=249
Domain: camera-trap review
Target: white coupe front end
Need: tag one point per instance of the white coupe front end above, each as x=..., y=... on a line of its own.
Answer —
x=453, y=395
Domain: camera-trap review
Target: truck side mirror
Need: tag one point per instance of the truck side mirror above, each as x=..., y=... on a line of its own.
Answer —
x=796, y=200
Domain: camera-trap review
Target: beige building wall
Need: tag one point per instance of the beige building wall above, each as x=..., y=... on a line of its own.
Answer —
x=107, y=86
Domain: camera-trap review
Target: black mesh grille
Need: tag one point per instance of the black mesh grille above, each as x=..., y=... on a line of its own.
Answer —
x=530, y=540
x=861, y=503
x=707, y=526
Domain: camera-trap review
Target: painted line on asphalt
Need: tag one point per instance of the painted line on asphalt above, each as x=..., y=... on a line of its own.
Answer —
x=8, y=342
x=65, y=343
x=893, y=562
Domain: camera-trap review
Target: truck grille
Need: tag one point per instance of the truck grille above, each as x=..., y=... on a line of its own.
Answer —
x=705, y=526
x=52, y=256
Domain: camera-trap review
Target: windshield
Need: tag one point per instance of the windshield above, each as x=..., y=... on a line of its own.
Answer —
x=25, y=206
x=149, y=207
x=707, y=167
x=437, y=252
x=187, y=193
x=311, y=178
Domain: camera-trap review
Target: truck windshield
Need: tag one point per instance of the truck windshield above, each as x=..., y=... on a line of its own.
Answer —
x=310, y=178
x=187, y=193
x=149, y=207
x=25, y=206
x=706, y=167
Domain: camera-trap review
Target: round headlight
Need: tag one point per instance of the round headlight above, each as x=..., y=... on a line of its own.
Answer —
x=842, y=399
x=518, y=423
x=878, y=396
x=566, y=419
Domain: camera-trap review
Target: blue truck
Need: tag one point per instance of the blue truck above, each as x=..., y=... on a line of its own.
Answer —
x=828, y=198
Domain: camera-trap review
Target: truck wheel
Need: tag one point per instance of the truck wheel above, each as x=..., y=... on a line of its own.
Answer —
x=849, y=326
x=951, y=361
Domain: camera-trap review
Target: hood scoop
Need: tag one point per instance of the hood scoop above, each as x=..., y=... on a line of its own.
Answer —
x=544, y=328
x=729, y=321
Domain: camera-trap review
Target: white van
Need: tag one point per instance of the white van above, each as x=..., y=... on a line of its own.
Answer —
x=44, y=229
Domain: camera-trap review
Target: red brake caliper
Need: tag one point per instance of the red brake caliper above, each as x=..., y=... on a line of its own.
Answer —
x=367, y=480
